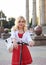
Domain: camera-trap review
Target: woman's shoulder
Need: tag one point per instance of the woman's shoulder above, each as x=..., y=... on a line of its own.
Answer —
x=27, y=32
x=13, y=30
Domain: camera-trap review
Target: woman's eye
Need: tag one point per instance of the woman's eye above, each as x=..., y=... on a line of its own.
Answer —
x=19, y=21
x=22, y=21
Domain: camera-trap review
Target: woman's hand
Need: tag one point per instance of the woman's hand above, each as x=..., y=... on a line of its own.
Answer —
x=15, y=45
x=31, y=43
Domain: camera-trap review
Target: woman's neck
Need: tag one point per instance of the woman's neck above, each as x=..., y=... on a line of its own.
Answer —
x=21, y=31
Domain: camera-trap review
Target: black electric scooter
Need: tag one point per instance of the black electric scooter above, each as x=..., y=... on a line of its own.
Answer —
x=21, y=48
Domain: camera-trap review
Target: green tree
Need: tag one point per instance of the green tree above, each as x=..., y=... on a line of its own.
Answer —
x=11, y=22
x=5, y=24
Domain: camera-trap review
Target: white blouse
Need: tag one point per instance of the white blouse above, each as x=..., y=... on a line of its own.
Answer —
x=14, y=34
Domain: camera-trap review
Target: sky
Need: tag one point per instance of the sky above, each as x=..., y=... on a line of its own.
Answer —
x=15, y=8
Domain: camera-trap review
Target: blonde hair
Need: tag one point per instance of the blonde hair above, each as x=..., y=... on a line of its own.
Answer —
x=15, y=27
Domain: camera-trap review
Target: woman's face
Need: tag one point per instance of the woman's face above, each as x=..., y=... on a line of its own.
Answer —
x=21, y=24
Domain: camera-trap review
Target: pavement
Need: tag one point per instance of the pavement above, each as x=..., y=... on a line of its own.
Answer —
x=38, y=54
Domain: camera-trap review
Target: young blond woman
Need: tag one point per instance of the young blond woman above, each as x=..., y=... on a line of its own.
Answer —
x=19, y=33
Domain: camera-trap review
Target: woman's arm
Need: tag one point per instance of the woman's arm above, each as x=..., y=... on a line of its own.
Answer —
x=10, y=49
x=31, y=43
x=29, y=40
x=12, y=39
x=13, y=45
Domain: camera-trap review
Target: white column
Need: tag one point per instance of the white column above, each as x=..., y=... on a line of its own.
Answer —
x=42, y=12
x=34, y=13
x=27, y=11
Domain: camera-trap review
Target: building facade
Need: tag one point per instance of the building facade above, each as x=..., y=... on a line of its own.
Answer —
x=42, y=12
